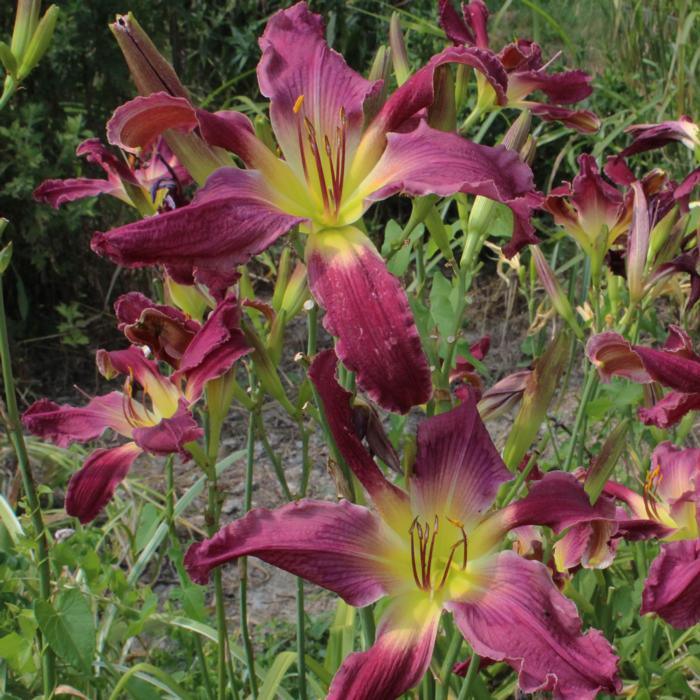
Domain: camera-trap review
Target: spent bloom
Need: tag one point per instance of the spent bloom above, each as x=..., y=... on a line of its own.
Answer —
x=160, y=423
x=330, y=166
x=429, y=548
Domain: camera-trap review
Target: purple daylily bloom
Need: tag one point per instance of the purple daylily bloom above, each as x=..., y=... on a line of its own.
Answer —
x=331, y=170
x=429, y=548
x=143, y=183
x=525, y=70
x=160, y=424
x=675, y=366
x=646, y=137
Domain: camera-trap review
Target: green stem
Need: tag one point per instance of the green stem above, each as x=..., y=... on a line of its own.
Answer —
x=274, y=458
x=48, y=662
x=469, y=678
x=301, y=640
x=368, y=627
x=243, y=561
x=591, y=382
x=203, y=663
x=448, y=663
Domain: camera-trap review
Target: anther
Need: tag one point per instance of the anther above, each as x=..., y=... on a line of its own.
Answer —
x=298, y=104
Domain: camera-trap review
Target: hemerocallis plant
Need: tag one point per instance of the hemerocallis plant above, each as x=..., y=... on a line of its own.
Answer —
x=161, y=423
x=328, y=167
x=428, y=548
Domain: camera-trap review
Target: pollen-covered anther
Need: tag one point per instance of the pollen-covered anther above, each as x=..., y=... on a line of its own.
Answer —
x=651, y=483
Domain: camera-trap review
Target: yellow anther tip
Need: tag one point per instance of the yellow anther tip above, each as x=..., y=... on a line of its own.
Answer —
x=298, y=104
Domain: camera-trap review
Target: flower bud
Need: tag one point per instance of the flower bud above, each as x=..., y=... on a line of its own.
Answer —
x=5, y=258
x=637, y=245
x=503, y=395
x=186, y=297
x=26, y=21
x=605, y=462
x=536, y=399
x=399, y=56
x=8, y=59
x=296, y=292
x=442, y=113
x=39, y=42
x=379, y=71
x=554, y=291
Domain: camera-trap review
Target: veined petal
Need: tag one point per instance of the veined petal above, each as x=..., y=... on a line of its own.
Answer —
x=231, y=219
x=212, y=352
x=673, y=370
x=588, y=544
x=565, y=87
x=669, y=410
x=367, y=310
x=458, y=470
x=338, y=546
x=58, y=192
x=428, y=161
x=398, y=659
x=93, y=485
x=649, y=136
x=297, y=63
x=65, y=424
x=138, y=123
x=523, y=619
x=417, y=93
x=679, y=470
x=171, y=434
x=613, y=356
x=338, y=413
x=455, y=28
x=672, y=589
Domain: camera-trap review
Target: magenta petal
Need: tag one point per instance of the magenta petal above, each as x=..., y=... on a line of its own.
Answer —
x=230, y=220
x=92, y=486
x=557, y=501
x=649, y=136
x=613, y=356
x=523, y=619
x=171, y=434
x=58, y=192
x=565, y=87
x=672, y=589
x=582, y=120
x=396, y=661
x=669, y=410
x=367, y=310
x=428, y=161
x=338, y=413
x=455, y=28
x=65, y=424
x=214, y=349
x=138, y=123
x=297, y=62
x=333, y=545
x=457, y=470
x=674, y=370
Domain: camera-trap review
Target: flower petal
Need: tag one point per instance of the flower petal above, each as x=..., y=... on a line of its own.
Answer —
x=231, y=219
x=297, y=62
x=428, y=161
x=565, y=87
x=171, y=434
x=58, y=192
x=166, y=331
x=92, y=486
x=212, y=352
x=137, y=124
x=649, y=136
x=613, y=356
x=587, y=544
x=397, y=660
x=458, y=470
x=338, y=546
x=523, y=619
x=669, y=410
x=367, y=310
x=582, y=120
x=672, y=589
x=66, y=424
x=338, y=413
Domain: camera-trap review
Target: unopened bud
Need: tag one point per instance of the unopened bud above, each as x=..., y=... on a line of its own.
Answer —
x=605, y=462
x=296, y=293
x=517, y=135
x=442, y=113
x=188, y=298
x=554, y=291
x=26, y=21
x=379, y=71
x=39, y=43
x=5, y=258
x=399, y=55
x=8, y=59
x=637, y=245
x=503, y=395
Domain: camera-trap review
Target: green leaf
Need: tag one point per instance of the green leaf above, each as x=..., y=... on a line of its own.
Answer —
x=69, y=628
x=441, y=307
x=5, y=257
x=8, y=59
x=606, y=460
x=275, y=674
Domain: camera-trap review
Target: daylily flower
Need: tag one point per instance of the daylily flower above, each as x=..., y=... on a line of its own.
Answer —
x=668, y=509
x=147, y=184
x=525, y=70
x=331, y=170
x=465, y=374
x=646, y=137
x=430, y=548
x=676, y=366
x=160, y=424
